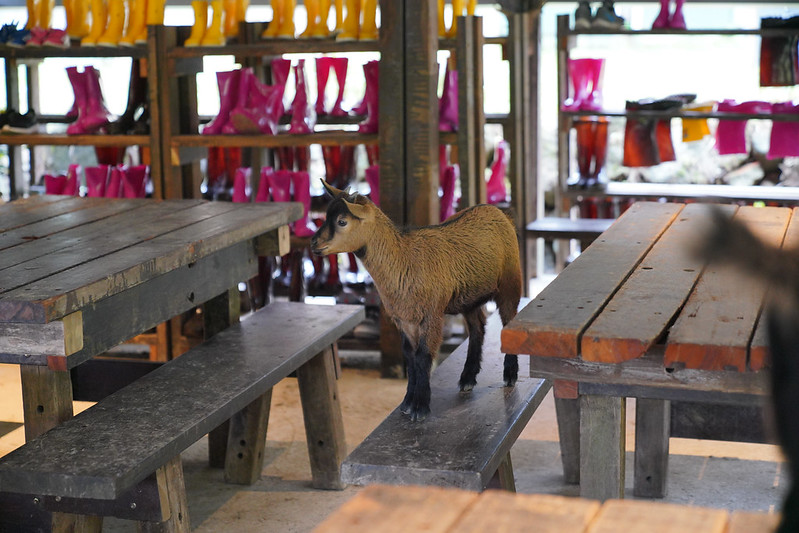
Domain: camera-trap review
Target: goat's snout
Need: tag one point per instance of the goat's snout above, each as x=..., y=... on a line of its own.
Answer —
x=315, y=244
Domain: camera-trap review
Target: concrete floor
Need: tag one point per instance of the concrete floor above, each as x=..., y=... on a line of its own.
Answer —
x=714, y=474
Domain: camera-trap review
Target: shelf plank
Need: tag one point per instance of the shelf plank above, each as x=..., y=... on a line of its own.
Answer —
x=44, y=52
x=785, y=195
x=271, y=141
x=675, y=113
x=769, y=32
x=43, y=139
x=276, y=47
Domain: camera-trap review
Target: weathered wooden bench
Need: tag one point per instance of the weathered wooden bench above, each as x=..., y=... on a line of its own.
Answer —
x=585, y=230
x=466, y=440
x=121, y=457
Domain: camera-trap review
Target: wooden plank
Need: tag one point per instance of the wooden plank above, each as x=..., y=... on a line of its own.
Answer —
x=759, y=357
x=75, y=287
x=552, y=324
x=640, y=312
x=638, y=516
x=602, y=447
x=511, y=513
x=746, y=522
x=476, y=430
x=46, y=400
x=107, y=230
x=161, y=414
x=26, y=211
x=396, y=509
x=718, y=320
x=568, y=228
x=59, y=338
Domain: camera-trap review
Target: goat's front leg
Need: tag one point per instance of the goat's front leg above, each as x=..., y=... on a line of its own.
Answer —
x=408, y=353
x=475, y=327
x=422, y=363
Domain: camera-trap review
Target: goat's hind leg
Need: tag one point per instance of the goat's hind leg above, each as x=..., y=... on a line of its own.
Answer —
x=507, y=310
x=475, y=327
x=408, y=353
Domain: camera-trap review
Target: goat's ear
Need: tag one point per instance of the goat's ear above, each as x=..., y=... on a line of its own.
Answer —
x=332, y=191
x=357, y=210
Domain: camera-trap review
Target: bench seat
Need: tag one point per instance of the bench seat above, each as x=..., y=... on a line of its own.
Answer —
x=583, y=229
x=466, y=438
x=105, y=451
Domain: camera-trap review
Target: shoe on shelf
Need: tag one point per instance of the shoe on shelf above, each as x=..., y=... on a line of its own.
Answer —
x=606, y=17
x=583, y=16
x=36, y=37
x=57, y=38
x=21, y=123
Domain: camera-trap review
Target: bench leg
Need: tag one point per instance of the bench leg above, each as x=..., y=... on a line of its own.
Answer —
x=324, y=426
x=77, y=523
x=174, y=506
x=246, y=442
x=602, y=447
x=568, y=414
x=652, y=430
x=46, y=399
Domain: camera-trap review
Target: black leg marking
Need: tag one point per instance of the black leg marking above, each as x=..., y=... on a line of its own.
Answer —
x=408, y=354
x=475, y=325
x=422, y=361
x=510, y=372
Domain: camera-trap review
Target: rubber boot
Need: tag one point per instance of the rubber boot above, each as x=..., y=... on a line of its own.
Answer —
x=350, y=27
x=280, y=185
x=116, y=24
x=114, y=187
x=496, y=191
x=278, y=8
x=285, y=157
x=373, y=179
x=92, y=114
x=241, y=100
x=369, y=31
x=695, y=129
x=77, y=18
x=241, y=185
x=137, y=98
x=33, y=15
x=584, y=132
x=312, y=15
x=593, y=101
x=457, y=11
x=662, y=20
x=99, y=10
x=253, y=112
x=340, y=68
x=134, y=181
x=135, y=24
x=640, y=145
x=442, y=24
x=598, y=178
x=54, y=184
x=323, y=65
x=155, y=12
x=214, y=35
x=141, y=36
x=731, y=134
x=339, y=16
x=448, y=105
x=286, y=29
x=263, y=185
x=784, y=134
x=302, y=157
x=96, y=179
x=451, y=175
x=200, y=8
x=44, y=15
x=580, y=76
x=471, y=5
x=72, y=182
x=301, y=182
x=231, y=25
x=677, y=21
x=321, y=30
x=302, y=116
x=228, y=83
x=371, y=72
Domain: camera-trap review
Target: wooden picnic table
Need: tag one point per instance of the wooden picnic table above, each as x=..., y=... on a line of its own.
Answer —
x=638, y=315
x=81, y=275
x=440, y=510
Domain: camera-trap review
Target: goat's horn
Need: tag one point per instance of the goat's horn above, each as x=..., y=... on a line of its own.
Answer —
x=335, y=193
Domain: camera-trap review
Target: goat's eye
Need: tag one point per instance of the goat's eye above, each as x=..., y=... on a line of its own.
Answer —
x=342, y=222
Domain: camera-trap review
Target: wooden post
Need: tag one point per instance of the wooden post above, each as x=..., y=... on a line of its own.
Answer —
x=471, y=115
x=652, y=430
x=246, y=442
x=174, y=506
x=15, y=151
x=568, y=415
x=602, y=447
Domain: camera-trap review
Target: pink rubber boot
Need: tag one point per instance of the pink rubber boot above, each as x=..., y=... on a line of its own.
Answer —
x=371, y=71
x=677, y=21
x=662, y=20
x=114, y=187
x=495, y=188
x=96, y=179
x=280, y=185
x=784, y=135
x=72, y=184
x=448, y=104
x=263, y=185
x=340, y=68
x=323, y=65
x=451, y=175
x=92, y=113
x=241, y=185
x=54, y=184
x=302, y=193
x=228, y=84
x=302, y=115
x=134, y=181
x=373, y=179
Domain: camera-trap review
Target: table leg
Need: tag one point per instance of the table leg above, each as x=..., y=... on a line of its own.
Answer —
x=568, y=414
x=652, y=430
x=602, y=447
x=46, y=399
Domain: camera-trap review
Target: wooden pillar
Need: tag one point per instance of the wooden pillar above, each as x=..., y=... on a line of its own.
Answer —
x=14, y=151
x=471, y=114
x=652, y=431
x=602, y=447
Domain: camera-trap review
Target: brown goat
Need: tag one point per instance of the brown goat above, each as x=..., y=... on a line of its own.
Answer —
x=423, y=274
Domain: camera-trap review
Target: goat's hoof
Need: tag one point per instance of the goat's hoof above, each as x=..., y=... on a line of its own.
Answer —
x=467, y=387
x=419, y=414
x=510, y=383
x=405, y=408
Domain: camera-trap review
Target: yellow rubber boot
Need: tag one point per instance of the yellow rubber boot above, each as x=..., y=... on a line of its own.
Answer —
x=136, y=23
x=241, y=10
x=44, y=10
x=350, y=28
x=155, y=12
x=214, y=35
x=339, y=16
x=312, y=11
x=442, y=27
x=200, y=8
x=271, y=30
x=695, y=129
x=99, y=10
x=321, y=31
x=471, y=5
x=33, y=14
x=369, y=26
x=141, y=35
x=116, y=24
x=286, y=29
x=77, y=18
x=457, y=11
x=68, y=13
x=231, y=28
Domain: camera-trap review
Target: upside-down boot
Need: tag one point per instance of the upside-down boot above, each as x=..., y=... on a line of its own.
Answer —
x=241, y=185
x=280, y=187
x=339, y=17
x=99, y=9
x=302, y=115
x=448, y=104
x=214, y=34
x=373, y=179
x=72, y=185
x=200, y=8
x=784, y=134
x=696, y=129
x=113, y=188
x=442, y=23
x=96, y=179
x=230, y=28
x=54, y=184
x=662, y=20
x=496, y=191
x=677, y=20
x=136, y=22
x=116, y=24
x=323, y=65
x=228, y=84
x=263, y=185
x=301, y=182
x=340, y=68
x=134, y=181
x=350, y=27
x=321, y=30
x=731, y=134
x=451, y=174
x=369, y=31
x=584, y=132
x=371, y=71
